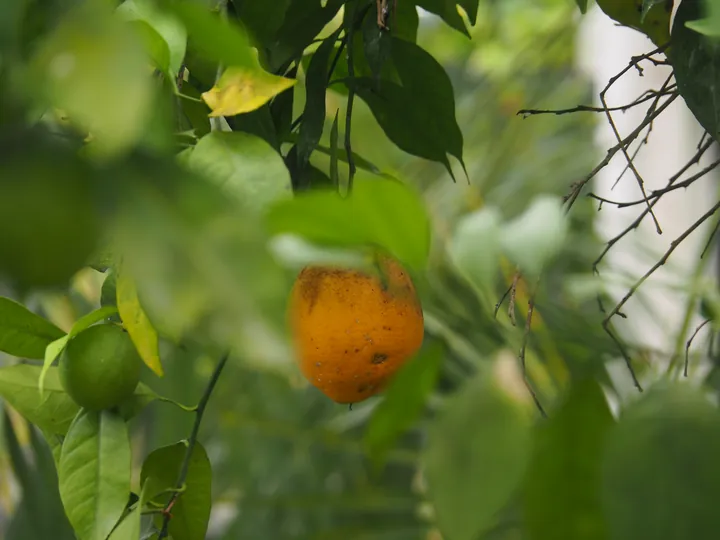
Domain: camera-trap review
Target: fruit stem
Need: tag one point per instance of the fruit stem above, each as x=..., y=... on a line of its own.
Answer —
x=180, y=483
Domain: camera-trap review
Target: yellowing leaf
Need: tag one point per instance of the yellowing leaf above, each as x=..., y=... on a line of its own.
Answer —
x=136, y=322
x=243, y=89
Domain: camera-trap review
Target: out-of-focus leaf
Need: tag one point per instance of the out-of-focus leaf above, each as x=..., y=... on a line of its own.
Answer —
x=647, y=5
x=108, y=291
x=535, y=237
x=215, y=38
x=245, y=166
x=471, y=9
x=316, y=80
x=258, y=122
x=478, y=451
x=582, y=4
x=475, y=247
x=22, y=332
x=660, y=474
x=419, y=115
x=281, y=109
x=403, y=401
x=379, y=212
x=54, y=349
x=562, y=488
x=303, y=21
x=47, y=209
x=137, y=324
x=447, y=11
x=243, y=89
x=307, y=177
x=168, y=29
x=93, y=67
x=710, y=24
x=691, y=55
x=39, y=513
x=94, y=473
x=191, y=511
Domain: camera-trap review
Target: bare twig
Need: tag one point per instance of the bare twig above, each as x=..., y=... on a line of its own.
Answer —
x=192, y=440
x=694, y=160
x=578, y=186
x=523, y=347
x=673, y=246
x=656, y=193
x=497, y=306
x=710, y=239
x=689, y=342
x=646, y=96
x=513, y=293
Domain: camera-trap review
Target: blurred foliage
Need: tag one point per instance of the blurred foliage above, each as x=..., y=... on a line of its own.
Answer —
x=151, y=160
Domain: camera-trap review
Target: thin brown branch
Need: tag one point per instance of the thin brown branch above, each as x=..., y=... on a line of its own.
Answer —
x=710, y=239
x=578, y=186
x=689, y=343
x=646, y=96
x=521, y=356
x=513, y=293
x=635, y=224
x=500, y=302
x=656, y=193
x=673, y=246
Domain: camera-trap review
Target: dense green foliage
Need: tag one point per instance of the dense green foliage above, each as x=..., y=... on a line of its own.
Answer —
x=169, y=166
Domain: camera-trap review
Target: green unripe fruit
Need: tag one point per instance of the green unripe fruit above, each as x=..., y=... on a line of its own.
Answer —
x=100, y=367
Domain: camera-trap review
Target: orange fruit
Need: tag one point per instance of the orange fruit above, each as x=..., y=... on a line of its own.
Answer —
x=353, y=330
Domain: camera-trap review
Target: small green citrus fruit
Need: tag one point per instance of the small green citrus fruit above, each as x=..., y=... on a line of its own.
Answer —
x=100, y=367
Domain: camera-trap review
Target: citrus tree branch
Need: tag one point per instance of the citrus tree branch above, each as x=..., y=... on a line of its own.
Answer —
x=191, y=441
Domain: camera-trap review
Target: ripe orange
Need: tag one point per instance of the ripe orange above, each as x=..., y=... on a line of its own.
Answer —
x=353, y=330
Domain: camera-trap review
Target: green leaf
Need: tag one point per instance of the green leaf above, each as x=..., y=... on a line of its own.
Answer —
x=54, y=411
x=258, y=122
x=281, y=110
x=536, y=236
x=404, y=401
x=406, y=21
x=471, y=9
x=22, y=332
x=55, y=348
x=477, y=453
x=129, y=527
x=316, y=80
x=303, y=21
x=661, y=478
x=582, y=4
x=377, y=43
x=94, y=473
x=170, y=32
x=647, y=5
x=695, y=60
x=137, y=324
x=261, y=19
x=108, y=292
x=245, y=166
x=92, y=59
x=562, y=489
x=379, y=212
x=419, y=115
x=447, y=11
x=215, y=38
x=334, y=171
x=475, y=247
x=191, y=511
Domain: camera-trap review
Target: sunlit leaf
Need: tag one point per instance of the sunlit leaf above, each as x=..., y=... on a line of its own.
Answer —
x=243, y=89
x=562, y=489
x=94, y=473
x=136, y=322
x=447, y=11
x=54, y=349
x=379, y=212
x=477, y=454
x=403, y=401
x=246, y=167
x=660, y=471
x=191, y=511
x=22, y=332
